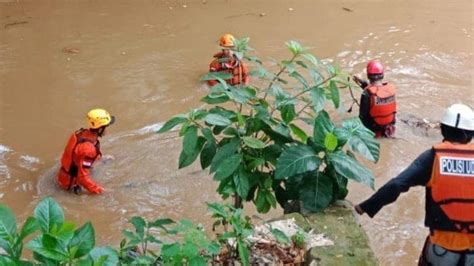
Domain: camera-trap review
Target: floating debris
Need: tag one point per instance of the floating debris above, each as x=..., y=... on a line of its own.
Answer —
x=71, y=50
x=262, y=14
x=347, y=9
x=15, y=23
x=290, y=9
x=421, y=123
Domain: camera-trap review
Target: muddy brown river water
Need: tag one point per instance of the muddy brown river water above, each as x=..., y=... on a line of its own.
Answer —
x=142, y=61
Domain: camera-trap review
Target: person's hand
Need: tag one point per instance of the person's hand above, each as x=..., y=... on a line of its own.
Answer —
x=357, y=80
x=98, y=190
x=358, y=209
x=108, y=157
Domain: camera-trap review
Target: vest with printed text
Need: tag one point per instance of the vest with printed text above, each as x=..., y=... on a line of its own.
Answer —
x=450, y=191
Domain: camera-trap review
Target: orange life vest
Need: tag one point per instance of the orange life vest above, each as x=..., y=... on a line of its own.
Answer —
x=67, y=162
x=234, y=66
x=450, y=191
x=383, y=106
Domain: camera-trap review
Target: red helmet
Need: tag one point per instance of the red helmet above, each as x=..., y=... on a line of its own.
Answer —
x=374, y=68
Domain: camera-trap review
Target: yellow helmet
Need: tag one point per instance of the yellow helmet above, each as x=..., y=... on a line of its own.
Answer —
x=97, y=118
x=227, y=40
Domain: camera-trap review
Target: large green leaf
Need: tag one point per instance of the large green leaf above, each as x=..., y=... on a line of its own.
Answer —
x=49, y=214
x=244, y=253
x=330, y=142
x=288, y=112
x=187, y=157
x=217, y=75
x=241, y=95
x=296, y=160
x=312, y=59
x=83, y=240
x=170, y=124
x=217, y=119
x=340, y=187
x=6, y=261
x=140, y=224
x=322, y=126
x=299, y=78
x=253, y=142
x=190, y=138
x=318, y=98
x=228, y=167
x=360, y=139
x=29, y=227
x=215, y=98
x=168, y=251
x=65, y=232
x=207, y=153
x=7, y=223
x=299, y=132
x=316, y=191
x=261, y=202
x=49, y=247
x=241, y=181
x=334, y=93
x=111, y=256
x=350, y=168
x=224, y=152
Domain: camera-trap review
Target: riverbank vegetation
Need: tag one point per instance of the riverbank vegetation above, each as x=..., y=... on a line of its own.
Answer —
x=253, y=138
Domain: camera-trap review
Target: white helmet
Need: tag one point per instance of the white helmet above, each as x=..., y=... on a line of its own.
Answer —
x=459, y=116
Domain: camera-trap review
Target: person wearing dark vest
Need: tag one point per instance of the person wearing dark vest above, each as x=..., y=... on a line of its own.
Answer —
x=227, y=61
x=82, y=150
x=378, y=106
x=447, y=173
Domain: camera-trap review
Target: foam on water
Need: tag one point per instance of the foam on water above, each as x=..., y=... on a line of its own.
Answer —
x=4, y=171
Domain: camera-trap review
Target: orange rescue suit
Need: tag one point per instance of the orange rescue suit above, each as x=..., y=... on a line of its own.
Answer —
x=383, y=106
x=232, y=65
x=82, y=150
x=450, y=197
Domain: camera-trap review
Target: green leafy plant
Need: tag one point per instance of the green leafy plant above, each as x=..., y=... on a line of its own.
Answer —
x=135, y=247
x=59, y=242
x=157, y=242
x=299, y=239
x=11, y=241
x=193, y=248
x=255, y=139
x=240, y=228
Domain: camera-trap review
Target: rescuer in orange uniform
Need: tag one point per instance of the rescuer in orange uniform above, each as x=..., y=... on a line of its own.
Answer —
x=447, y=172
x=378, y=106
x=82, y=150
x=227, y=61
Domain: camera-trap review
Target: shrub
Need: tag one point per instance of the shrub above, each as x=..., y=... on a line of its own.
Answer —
x=253, y=139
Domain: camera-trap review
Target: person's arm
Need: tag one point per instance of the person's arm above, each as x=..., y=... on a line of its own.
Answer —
x=245, y=73
x=361, y=82
x=214, y=66
x=85, y=154
x=417, y=174
x=364, y=110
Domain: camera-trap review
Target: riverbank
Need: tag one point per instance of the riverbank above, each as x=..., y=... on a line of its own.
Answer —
x=338, y=224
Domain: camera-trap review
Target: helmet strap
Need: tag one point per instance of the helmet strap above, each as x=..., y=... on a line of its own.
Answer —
x=101, y=130
x=458, y=117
